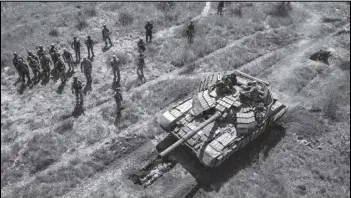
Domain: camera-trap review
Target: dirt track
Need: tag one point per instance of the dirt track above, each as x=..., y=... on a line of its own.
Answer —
x=188, y=178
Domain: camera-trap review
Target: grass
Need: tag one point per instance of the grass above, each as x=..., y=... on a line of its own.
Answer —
x=54, y=32
x=288, y=171
x=125, y=18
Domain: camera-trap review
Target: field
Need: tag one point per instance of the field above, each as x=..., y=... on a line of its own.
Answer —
x=46, y=152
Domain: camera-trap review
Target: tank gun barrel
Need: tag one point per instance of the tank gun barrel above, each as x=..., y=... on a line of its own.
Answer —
x=189, y=135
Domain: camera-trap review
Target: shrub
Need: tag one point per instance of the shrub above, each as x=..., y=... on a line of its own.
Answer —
x=164, y=6
x=188, y=69
x=54, y=32
x=279, y=10
x=184, y=56
x=82, y=23
x=236, y=11
x=125, y=18
x=90, y=11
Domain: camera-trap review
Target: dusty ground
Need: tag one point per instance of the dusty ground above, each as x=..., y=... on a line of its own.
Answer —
x=47, y=153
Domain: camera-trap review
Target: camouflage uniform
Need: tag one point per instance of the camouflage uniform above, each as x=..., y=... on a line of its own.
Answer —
x=34, y=65
x=90, y=45
x=45, y=64
x=61, y=69
x=41, y=51
x=115, y=67
x=86, y=68
x=24, y=70
x=148, y=28
x=141, y=46
x=76, y=46
x=15, y=61
x=54, y=56
x=190, y=32
x=118, y=99
x=106, y=35
x=68, y=58
x=77, y=90
x=141, y=64
x=30, y=54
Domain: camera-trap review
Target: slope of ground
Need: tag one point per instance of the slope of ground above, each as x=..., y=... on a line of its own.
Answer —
x=45, y=152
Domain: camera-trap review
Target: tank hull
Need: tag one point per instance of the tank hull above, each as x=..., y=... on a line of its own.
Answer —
x=237, y=123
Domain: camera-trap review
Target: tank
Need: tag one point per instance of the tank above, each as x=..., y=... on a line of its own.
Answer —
x=223, y=115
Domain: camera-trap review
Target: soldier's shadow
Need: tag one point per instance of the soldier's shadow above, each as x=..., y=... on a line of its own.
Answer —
x=45, y=80
x=141, y=77
x=54, y=76
x=69, y=74
x=212, y=179
x=78, y=111
x=61, y=88
x=115, y=85
x=105, y=48
x=87, y=88
x=35, y=81
x=91, y=59
x=21, y=88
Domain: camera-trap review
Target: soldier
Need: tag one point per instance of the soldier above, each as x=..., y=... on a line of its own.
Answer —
x=54, y=55
x=141, y=65
x=30, y=54
x=220, y=8
x=68, y=58
x=41, y=51
x=106, y=35
x=61, y=69
x=16, y=62
x=148, y=28
x=190, y=32
x=118, y=100
x=23, y=70
x=76, y=46
x=115, y=68
x=34, y=65
x=86, y=68
x=52, y=49
x=77, y=90
x=252, y=91
x=90, y=44
x=141, y=46
x=45, y=64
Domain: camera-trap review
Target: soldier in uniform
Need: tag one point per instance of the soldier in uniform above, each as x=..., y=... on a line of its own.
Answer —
x=141, y=46
x=190, y=32
x=52, y=49
x=118, y=99
x=45, y=64
x=77, y=90
x=34, y=65
x=220, y=7
x=30, y=54
x=141, y=65
x=76, y=47
x=15, y=61
x=68, y=58
x=106, y=35
x=90, y=44
x=54, y=55
x=86, y=68
x=61, y=69
x=115, y=69
x=24, y=70
x=41, y=51
x=252, y=91
x=148, y=28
